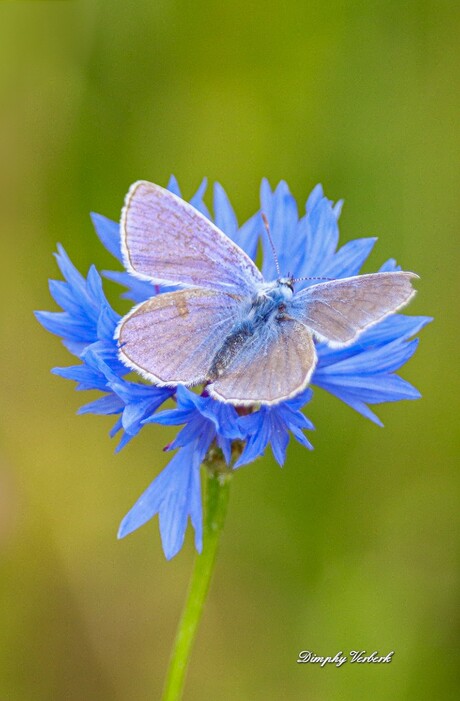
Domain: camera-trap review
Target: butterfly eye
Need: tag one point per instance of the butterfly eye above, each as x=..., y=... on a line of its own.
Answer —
x=287, y=282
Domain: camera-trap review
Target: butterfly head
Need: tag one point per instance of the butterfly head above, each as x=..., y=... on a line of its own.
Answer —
x=277, y=292
x=286, y=282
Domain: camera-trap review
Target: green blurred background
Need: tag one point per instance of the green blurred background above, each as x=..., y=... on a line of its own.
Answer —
x=349, y=547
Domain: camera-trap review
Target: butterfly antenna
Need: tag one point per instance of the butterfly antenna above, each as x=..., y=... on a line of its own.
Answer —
x=267, y=229
x=298, y=279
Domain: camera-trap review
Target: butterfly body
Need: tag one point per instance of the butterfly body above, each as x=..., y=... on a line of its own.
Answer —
x=250, y=341
x=266, y=309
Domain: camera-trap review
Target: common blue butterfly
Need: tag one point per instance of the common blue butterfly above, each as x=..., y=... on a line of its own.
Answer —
x=250, y=341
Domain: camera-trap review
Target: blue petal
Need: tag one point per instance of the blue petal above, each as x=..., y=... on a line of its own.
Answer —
x=137, y=290
x=102, y=358
x=197, y=427
x=71, y=274
x=86, y=377
x=109, y=234
x=337, y=209
x=300, y=437
x=197, y=199
x=223, y=416
x=134, y=413
x=390, y=266
x=315, y=196
x=279, y=441
x=65, y=296
x=258, y=441
x=178, y=504
x=87, y=316
x=322, y=238
x=294, y=418
x=170, y=417
x=394, y=327
x=349, y=259
x=175, y=494
x=373, y=389
x=109, y=404
x=272, y=425
x=280, y=208
x=249, y=234
x=225, y=444
x=107, y=322
x=374, y=361
x=224, y=216
x=299, y=400
x=61, y=324
x=173, y=186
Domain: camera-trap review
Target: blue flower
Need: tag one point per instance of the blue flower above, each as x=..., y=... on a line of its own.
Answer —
x=361, y=374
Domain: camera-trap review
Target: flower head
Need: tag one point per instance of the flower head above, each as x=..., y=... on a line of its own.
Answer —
x=360, y=374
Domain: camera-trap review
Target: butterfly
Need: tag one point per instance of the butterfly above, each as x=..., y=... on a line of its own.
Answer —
x=248, y=340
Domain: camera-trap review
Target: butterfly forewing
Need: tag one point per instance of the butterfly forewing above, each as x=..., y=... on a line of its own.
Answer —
x=170, y=339
x=167, y=240
x=275, y=364
x=338, y=311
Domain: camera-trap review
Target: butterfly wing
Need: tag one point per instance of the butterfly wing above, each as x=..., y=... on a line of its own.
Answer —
x=166, y=240
x=340, y=310
x=273, y=365
x=171, y=338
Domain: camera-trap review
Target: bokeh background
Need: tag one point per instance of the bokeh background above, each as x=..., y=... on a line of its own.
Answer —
x=349, y=547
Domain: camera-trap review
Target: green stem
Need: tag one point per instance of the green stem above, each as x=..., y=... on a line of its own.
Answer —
x=217, y=491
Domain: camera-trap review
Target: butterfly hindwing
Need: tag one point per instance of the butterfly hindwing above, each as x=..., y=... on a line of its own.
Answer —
x=171, y=338
x=274, y=364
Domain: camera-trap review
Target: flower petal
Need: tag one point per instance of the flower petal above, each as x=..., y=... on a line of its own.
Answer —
x=175, y=495
x=109, y=234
